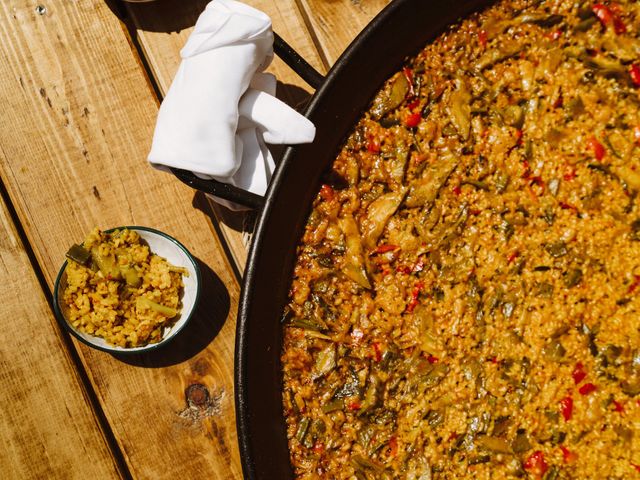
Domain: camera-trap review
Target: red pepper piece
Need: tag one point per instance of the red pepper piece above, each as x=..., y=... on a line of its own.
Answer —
x=587, y=388
x=558, y=102
x=597, y=148
x=567, y=206
x=536, y=464
x=354, y=405
x=386, y=248
x=578, y=373
x=483, y=38
x=637, y=467
x=413, y=119
x=512, y=257
x=618, y=407
x=570, y=174
x=457, y=190
x=414, y=296
x=318, y=448
x=555, y=35
x=634, y=71
x=377, y=351
x=519, y=135
x=566, y=408
x=413, y=103
x=608, y=18
x=373, y=145
x=567, y=454
x=385, y=270
x=408, y=74
x=431, y=359
x=634, y=284
x=393, y=446
x=327, y=193
x=404, y=269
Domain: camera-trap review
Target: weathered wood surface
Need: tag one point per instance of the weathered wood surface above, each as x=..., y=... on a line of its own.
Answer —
x=336, y=23
x=77, y=118
x=46, y=421
x=79, y=107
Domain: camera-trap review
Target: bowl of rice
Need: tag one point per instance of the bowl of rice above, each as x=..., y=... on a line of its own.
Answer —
x=126, y=290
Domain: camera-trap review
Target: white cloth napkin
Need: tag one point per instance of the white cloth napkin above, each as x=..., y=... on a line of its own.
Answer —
x=221, y=109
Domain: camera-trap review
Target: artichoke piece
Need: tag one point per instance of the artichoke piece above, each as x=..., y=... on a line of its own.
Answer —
x=491, y=57
x=325, y=361
x=459, y=108
x=425, y=190
x=631, y=178
x=378, y=214
x=106, y=264
x=573, y=277
x=513, y=116
x=521, y=443
x=131, y=276
x=619, y=145
x=434, y=376
x=493, y=444
x=390, y=97
x=354, y=266
x=398, y=163
x=554, y=350
x=557, y=249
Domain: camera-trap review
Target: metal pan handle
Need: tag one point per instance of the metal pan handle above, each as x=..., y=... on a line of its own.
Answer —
x=235, y=194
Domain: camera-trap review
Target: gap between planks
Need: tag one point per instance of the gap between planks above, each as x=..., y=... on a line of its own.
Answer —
x=83, y=377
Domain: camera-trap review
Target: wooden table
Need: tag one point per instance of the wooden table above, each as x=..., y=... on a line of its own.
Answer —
x=81, y=84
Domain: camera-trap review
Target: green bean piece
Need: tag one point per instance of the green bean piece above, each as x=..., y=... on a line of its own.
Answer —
x=303, y=426
x=334, y=405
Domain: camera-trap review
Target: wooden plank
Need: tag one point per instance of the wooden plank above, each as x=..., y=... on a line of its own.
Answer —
x=77, y=119
x=336, y=23
x=46, y=422
x=162, y=28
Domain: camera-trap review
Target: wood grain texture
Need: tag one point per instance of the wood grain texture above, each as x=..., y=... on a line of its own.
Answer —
x=162, y=28
x=46, y=419
x=336, y=23
x=77, y=119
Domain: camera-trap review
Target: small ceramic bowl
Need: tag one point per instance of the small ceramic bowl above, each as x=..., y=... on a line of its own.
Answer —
x=175, y=253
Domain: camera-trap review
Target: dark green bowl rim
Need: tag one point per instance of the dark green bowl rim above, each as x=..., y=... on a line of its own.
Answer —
x=135, y=350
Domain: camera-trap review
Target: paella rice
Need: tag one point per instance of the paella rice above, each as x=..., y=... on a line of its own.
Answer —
x=117, y=289
x=465, y=299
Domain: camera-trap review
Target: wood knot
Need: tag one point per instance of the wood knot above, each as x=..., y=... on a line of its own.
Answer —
x=197, y=396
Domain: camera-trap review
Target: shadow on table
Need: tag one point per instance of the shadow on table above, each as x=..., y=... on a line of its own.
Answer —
x=159, y=15
x=210, y=315
x=176, y=15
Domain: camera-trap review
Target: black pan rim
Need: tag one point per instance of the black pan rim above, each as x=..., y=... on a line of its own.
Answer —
x=248, y=284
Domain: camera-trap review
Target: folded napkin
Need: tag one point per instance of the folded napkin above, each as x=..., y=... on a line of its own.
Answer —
x=221, y=109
